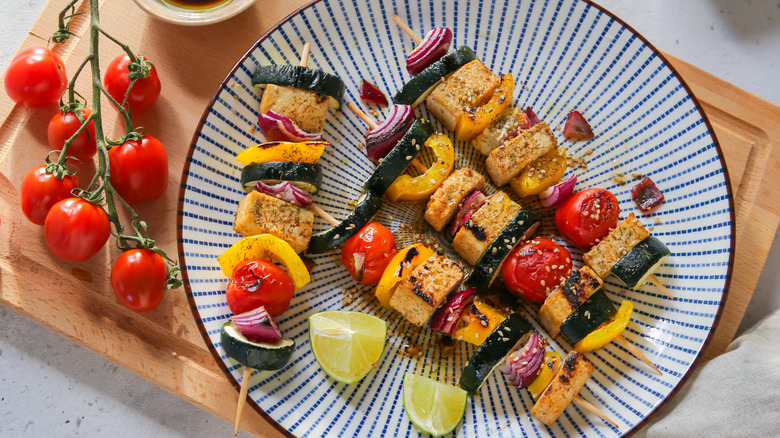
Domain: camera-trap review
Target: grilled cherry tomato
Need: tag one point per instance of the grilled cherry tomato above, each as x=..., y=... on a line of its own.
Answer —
x=35, y=77
x=587, y=216
x=532, y=270
x=138, y=279
x=258, y=282
x=41, y=190
x=139, y=169
x=76, y=229
x=145, y=91
x=63, y=125
x=367, y=253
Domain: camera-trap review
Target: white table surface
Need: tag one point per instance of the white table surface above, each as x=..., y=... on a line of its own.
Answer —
x=51, y=386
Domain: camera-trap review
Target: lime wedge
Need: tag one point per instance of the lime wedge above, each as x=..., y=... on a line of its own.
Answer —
x=435, y=408
x=346, y=344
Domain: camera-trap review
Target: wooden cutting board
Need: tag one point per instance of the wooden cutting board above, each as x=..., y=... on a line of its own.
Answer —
x=164, y=345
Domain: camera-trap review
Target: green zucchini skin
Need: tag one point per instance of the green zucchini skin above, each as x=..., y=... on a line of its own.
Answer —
x=588, y=317
x=259, y=355
x=305, y=176
x=303, y=78
x=497, y=345
x=488, y=267
x=420, y=86
x=399, y=158
x=643, y=259
x=365, y=209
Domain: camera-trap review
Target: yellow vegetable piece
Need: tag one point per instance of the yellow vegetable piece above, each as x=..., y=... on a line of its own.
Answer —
x=305, y=152
x=269, y=247
x=473, y=121
x=475, y=326
x=608, y=331
x=550, y=365
x=408, y=188
x=391, y=277
x=533, y=181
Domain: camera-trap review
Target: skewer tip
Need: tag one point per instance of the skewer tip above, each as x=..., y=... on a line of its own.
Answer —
x=242, y=397
x=659, y=285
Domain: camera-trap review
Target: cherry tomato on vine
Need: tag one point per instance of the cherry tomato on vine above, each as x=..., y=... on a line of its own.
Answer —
x=35, y=77
x=367, y=253
x=63, y=125
x=258, y=282
x=139, y=169
x=587, y=216
x=138, y=279
x=145, y=91
x=40, y=190
x=533, y=269
x=76, y=229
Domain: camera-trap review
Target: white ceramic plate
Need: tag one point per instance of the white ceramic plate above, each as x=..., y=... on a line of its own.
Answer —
x=569, y=55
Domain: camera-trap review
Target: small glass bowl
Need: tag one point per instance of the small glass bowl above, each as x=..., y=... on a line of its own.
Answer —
x=193, y=16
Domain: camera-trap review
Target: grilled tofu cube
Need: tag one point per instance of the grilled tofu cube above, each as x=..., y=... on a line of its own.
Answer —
x=484, y=225
x=446, y=200
x=426, y=288
x=567, y=382
x=469, y=87
x=259, y=213
x=566, y=298
x=506, y=126
x=506, y=161
x=306, y=108
x=602, y=257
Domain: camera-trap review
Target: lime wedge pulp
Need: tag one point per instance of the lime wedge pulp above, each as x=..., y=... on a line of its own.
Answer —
x=435, y=408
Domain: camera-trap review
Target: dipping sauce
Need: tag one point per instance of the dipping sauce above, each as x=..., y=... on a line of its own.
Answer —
x=195, y=4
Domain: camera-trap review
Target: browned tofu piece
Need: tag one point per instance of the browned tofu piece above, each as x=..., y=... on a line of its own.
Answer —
x=470, y=86
x=446, y=200
x=603, y=257
x=566, y=298
x=506, y=126
x=507, y=160
x=567, y=382
x=259, y=213
x=306, y=108
x=426, y=288
x=484, y=225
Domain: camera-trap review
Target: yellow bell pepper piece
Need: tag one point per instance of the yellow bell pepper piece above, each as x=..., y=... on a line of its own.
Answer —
x=473, y=121
x=550, y=365
x=269, y=247
x=533, y=181
x=305, y=152
x=474, y=327
x=418, y=188
x=608, y=331
x=390, y=277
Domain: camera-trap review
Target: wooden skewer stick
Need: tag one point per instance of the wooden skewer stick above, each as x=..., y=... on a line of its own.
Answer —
x=305, y=55
x=242, y=397
x=623, y=342
x=323, y=214
x=653, y=279
x=407, y=30
x=584, y=404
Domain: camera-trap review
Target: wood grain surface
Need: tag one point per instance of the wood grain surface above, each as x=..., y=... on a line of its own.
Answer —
x=164, y=345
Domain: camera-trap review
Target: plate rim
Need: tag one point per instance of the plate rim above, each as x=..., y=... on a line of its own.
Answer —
x=185, y=172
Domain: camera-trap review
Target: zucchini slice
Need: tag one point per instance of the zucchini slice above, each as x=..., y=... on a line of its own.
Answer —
x=258, y=355
x=420, y=86
x=488, y=267
x=305, y=176
x=640, y=263
x=303, y=78
x=398, y=159
x=588, y=317
x=367, y=206
x=502, y=341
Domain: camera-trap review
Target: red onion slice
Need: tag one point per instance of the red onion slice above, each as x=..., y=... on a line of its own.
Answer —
x=533, y=119
x=471, y=204
x=371, y=93
x=446, y=318
x=431, y=48
x=286, y=192
x=276, y=127
x=381, y=140
x=557, y=193
x=576, y=127
x=647, y=195
x=257, y=325
x=522, y=366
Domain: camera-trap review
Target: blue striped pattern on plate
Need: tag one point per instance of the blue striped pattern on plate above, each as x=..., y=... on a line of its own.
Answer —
x=566, y=55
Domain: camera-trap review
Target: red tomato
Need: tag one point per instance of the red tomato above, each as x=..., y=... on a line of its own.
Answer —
x=532, y=270
x=258, y=282
x=367, y=253
x=139, y=169
x=587, y=216
x=144, y=92
x=138, y=279
x=76, y=229
x=62, y=127
x=35, y=77
x=40, y=190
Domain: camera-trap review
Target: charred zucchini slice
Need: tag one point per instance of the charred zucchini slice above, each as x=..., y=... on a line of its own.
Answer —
x=399, y=158
x=640, y=263
x=255, y=354
x=302, y=78
x=420, y=86
x=305, y=176
x=586, y=318
x=367, y=206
